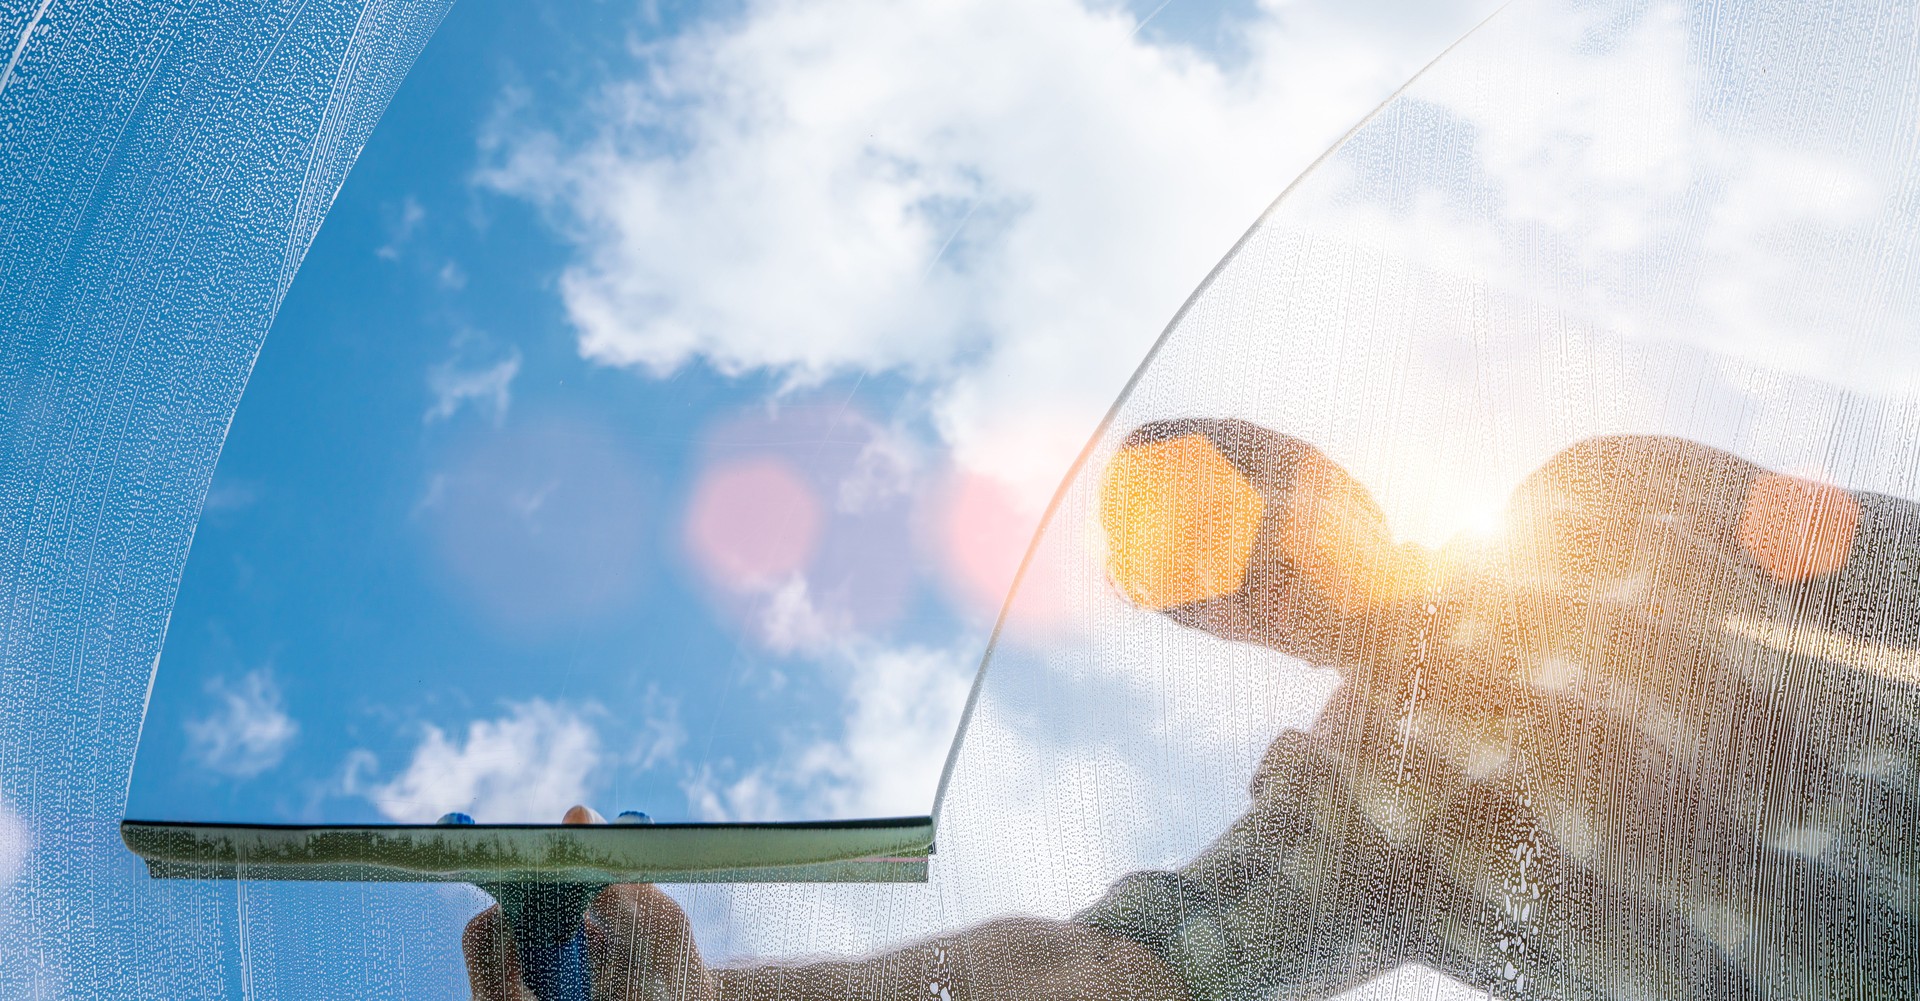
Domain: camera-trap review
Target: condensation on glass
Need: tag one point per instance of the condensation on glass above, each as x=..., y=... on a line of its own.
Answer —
x=163, y=167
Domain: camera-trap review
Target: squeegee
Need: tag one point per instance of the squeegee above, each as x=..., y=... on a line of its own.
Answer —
x=543, y=875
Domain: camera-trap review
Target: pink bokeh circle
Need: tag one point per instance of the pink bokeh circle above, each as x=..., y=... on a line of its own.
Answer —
x=983, y=532
x=752, y=522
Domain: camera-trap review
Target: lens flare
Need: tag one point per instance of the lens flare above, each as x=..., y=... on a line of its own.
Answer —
x=981, y=534
x=752, y=522
x=1180, y=522
x=1799, y=529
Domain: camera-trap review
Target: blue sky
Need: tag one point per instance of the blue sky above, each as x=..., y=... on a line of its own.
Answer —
x=431, y=510
x=535, y=495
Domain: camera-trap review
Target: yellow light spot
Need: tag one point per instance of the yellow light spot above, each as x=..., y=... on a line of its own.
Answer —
x=1180, y=521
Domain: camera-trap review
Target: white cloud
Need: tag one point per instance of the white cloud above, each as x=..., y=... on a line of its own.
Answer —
x=1600, y=165
x=402, y=228
x=887, y=467
x=1007, y=198
x=229, y=494
x=14, y=845
x=902, y=708
x=661, y=733
x=905, y=707
x=791, y=623
x=528, y=766
x=479, y=372
x=248, y=733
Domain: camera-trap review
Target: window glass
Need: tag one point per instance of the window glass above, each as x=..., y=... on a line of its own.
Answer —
x=1499, y=577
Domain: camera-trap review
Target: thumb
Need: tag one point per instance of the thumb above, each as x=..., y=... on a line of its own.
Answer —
x=493, y=964
x=641, y=946
x=1248, y=534
x=1184, y=504
x=1198, y=510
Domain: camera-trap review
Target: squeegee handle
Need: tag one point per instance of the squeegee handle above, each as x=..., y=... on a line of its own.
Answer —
x=556, y=971
x=547, y=922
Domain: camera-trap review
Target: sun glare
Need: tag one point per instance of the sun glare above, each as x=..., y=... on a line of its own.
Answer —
x=1443, y=508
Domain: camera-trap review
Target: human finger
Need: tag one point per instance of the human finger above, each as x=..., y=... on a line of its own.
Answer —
x=580, y=813
x=493, y=965
x=1246, y=532
x=640, y=946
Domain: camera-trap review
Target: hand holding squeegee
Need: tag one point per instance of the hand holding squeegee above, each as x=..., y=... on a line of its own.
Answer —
x=545, y=876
